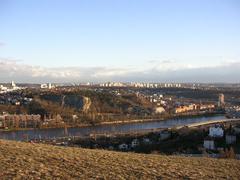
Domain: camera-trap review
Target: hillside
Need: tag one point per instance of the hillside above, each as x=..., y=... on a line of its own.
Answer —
x=102, y=102
x=24, y=160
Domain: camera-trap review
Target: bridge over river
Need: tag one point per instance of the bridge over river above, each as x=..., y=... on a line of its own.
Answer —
x=208, y=122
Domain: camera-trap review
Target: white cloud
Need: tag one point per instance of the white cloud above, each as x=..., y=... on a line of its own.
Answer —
x=157, y=71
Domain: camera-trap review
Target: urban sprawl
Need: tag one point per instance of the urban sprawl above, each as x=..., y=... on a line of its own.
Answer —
x=52, y=105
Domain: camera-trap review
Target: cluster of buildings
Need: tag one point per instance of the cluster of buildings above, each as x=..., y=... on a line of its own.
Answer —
x=233, y=112
x=156, y=98
x=204, y=86
x=163, y=103
x=16, y=99
x=156, y=85
x=47, y=86
x=217, y=135
x=14, y=121
x=163, y=135
x=19, y=121
x=113, y=84
x=201, y=107
x=9, y=88
x=139, y=85
x=193, y=107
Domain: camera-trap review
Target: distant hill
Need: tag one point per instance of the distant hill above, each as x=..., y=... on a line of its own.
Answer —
x=102, y=102
x=37, y=161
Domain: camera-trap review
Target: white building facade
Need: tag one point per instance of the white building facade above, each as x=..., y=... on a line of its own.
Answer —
x=209, y=144
x=216, y=131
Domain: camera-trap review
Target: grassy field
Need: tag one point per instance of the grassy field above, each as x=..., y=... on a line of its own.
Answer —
x=36, y=161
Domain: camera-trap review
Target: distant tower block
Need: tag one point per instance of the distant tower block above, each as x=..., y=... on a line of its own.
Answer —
x=13, y=84
x=49, y=86
x=221, y=101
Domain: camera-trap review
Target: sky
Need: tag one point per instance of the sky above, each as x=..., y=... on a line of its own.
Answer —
x=126, y=40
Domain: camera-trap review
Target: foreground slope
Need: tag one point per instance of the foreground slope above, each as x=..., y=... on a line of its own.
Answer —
x=37, y=161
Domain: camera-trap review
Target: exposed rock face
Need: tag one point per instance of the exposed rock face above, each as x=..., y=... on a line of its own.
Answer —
x=63, y=101
x=86, y=104
x=37, y=161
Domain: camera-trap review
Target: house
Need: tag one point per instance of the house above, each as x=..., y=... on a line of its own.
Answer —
x=162, y=102
x=165, y=135
x=159, y=110
x=135, y=143
x=146, y=141
x=207, y=106
x=230, y=139
x=123, y=147
x=216, y=131
x=74, y=117
x=185, y=108
x=209, y=144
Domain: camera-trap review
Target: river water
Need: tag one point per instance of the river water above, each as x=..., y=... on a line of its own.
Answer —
x=114, y=128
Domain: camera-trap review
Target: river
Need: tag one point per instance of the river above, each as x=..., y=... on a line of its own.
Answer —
x=113, y=128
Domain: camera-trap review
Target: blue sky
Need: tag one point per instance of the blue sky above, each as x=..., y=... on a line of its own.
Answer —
x=124, y=36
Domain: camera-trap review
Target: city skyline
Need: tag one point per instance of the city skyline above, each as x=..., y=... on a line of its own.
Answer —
x=156, y=41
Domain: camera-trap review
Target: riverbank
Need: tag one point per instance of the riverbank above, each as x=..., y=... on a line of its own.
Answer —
x=196, y=115
x=119, y=122
x=103, y=129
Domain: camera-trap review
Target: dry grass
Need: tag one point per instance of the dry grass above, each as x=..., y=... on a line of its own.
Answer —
x=36, y=161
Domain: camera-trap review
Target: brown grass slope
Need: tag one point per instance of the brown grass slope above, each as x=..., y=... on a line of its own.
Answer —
x=35, y=161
